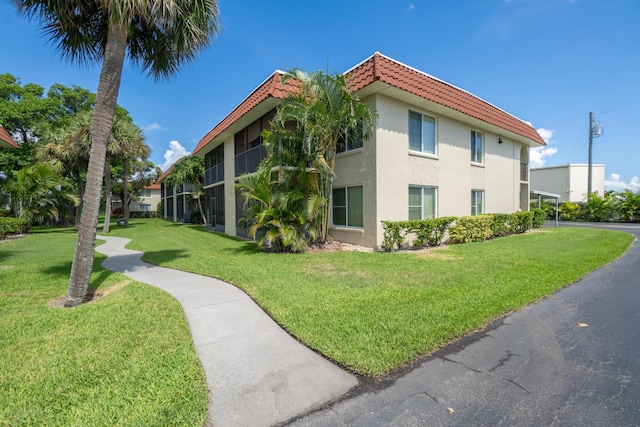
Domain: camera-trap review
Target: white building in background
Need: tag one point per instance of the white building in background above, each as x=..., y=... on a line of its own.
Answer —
x=569, y=181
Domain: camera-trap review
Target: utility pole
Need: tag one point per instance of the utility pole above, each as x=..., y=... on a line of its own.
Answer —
x=590, y=173
x=595, y=130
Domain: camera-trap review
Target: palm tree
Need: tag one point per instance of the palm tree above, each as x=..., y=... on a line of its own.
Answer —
x=38, y=193
x=628, y=205
x=67, y=152
x=280, y=209
x=126, y=144
x=159, y=35
x=325, y=111
x=189, y=170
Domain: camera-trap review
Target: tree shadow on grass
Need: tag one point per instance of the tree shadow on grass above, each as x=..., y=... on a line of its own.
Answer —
x=62, y=271
x=166, y=255
x=240, y=244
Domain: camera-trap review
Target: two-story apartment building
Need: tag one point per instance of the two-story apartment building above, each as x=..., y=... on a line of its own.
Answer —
x=177, y=204
x=437, y=150
x=148, y=199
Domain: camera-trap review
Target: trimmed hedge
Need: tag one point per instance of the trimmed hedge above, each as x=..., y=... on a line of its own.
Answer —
x=466, y=229
x=539, y=215
x=12, y=226
x=143, y=214
x=428, y=232
x=472, y=229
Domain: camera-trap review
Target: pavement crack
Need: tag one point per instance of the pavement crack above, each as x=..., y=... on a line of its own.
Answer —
x=518, y=385
x=460, y=363
x=422, y=393
x=504, y=360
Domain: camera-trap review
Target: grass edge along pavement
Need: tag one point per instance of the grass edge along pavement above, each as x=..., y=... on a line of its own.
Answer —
x=374, y=312
x=113, y=361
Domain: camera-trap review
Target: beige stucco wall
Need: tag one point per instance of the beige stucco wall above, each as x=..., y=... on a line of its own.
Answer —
x=385, y=168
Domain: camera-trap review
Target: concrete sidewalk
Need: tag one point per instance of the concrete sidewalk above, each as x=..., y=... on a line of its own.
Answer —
x=257, y=374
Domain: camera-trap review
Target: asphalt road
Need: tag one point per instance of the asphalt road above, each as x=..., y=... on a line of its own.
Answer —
x=540, y=366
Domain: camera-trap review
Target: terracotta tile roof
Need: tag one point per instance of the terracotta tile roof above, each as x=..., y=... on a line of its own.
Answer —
x=6, y=138
x=164, y=175
x=270, y=88
x=381, y=68
x=154, y=186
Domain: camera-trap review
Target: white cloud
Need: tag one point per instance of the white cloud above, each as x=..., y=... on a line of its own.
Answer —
x=546, y=134
x=154, y=126
x=411, y=7
x=616, y=184
x=175, y=152
x=540, y=155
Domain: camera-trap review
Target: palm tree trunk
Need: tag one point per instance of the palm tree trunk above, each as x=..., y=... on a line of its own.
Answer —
x=78, y=210
x=125, y=192
x=107, y=197
x=101, y=123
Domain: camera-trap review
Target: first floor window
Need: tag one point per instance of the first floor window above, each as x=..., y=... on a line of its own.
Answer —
x=477, y=202
x=477, y=147
x=422, y=202
x=143, y=207
x=347, y=206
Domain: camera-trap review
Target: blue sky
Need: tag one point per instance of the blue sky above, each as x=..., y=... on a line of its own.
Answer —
x=549, y=62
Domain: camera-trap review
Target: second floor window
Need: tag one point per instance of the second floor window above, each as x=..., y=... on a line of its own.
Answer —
x=422, y=133
x=477, y=147
x=351, y=140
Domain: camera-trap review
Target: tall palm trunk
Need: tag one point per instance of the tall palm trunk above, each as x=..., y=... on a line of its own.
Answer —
x=107, y=197
x=78, y=210
x=101, y=123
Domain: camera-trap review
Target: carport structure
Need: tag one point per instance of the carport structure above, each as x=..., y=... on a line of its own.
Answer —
x=540, y=195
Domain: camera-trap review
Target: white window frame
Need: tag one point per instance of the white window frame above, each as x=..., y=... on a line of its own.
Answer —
x=435, y=133
x=422, y=191
x=142, y=206
x=346, y=207
x=474, y=202
x=473, y=147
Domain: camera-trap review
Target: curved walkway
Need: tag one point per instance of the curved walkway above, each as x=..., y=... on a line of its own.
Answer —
x=257, y=374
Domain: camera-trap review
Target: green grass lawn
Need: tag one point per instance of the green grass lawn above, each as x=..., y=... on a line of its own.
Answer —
x=373, y=312
x=125, y=359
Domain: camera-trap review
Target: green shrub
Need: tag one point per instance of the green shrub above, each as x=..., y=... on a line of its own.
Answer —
x=195, y=218
x=143, y=214
x=500, y=224
x=568, y=211
x=539, y=215
x=471, y=229
x=13, y=226
x=432, y=231
x=429, y=232
x=394, y=235
x=519, y=222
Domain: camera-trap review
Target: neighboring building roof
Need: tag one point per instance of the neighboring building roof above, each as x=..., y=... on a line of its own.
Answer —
x=568, y=166
x=5, y=139
x=379, y=69
x=154, y=186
